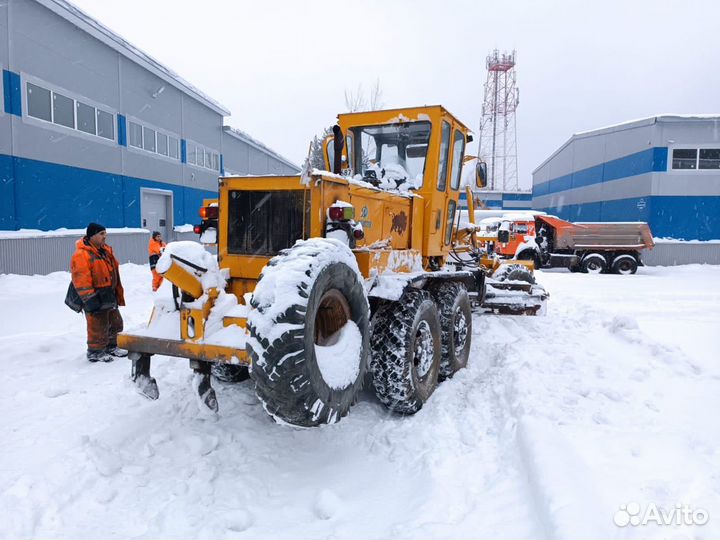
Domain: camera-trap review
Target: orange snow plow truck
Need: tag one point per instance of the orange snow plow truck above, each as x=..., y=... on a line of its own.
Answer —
x=329, y=279
x=551, y=242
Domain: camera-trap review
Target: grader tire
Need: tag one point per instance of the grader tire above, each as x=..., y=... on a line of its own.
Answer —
x=329, y=294
x=405, y=358
x=453, y=305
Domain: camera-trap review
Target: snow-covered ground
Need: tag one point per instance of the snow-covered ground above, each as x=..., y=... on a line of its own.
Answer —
x=611, y=398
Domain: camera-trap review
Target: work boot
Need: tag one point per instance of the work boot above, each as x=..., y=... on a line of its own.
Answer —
x=116, y=351
x=99, y=356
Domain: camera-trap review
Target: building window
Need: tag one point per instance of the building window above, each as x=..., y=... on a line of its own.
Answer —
x=86, y=120
x=38, y=100
x=696, y=158
x=162, y=144
x=135, y=133
x=55, y=107
x=709, y=158
x=105, y=125
x=63, y=114
x=149, y=139
x=202, y=157
x=173, y=147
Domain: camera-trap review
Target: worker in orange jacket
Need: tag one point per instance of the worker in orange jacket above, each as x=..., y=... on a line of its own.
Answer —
x=155, y=249
x=96, y=278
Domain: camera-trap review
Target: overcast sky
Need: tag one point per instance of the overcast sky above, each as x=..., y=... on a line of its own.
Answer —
x=282, y=67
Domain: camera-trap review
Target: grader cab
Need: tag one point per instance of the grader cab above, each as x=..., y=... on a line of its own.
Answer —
x=325, y=280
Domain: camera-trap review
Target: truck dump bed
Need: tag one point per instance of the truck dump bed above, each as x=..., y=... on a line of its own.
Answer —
x=602, y=236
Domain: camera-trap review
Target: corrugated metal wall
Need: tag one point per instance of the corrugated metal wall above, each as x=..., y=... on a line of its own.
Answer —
x=675, y=253
x=43, y=255
x=46, y=254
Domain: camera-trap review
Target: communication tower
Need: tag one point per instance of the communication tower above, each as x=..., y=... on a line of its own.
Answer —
x=498, y=138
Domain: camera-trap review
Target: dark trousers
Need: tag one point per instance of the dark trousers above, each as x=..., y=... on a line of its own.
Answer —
x=103, y=328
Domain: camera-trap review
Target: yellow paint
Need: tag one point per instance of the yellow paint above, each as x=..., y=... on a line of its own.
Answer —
x=184, y=280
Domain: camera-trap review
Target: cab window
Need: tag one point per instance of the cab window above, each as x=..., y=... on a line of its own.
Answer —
x=457, y=156
x=444, y=151
x=392, y=156
x=449, y=223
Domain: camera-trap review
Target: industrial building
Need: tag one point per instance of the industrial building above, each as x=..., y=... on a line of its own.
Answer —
x=93, y=129
x=664, y=170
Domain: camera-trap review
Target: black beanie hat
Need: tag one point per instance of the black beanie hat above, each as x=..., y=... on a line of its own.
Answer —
x=93, y=229
x=155, y=233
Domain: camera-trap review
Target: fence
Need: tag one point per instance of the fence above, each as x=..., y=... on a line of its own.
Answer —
x=40, y=254
x=44, y=254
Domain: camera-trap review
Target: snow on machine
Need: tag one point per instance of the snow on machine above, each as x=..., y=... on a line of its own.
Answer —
x=325, y=277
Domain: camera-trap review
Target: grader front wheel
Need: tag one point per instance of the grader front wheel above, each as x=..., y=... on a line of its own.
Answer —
x=309, y=334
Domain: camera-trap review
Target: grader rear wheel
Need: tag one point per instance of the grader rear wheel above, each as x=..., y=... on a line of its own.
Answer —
x=455, y=325
x=405, y=354
x=309, y=334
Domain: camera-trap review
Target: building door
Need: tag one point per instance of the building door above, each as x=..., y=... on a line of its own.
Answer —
x=156, y=211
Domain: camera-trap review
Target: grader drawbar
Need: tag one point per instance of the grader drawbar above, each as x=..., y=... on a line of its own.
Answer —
x=327, y=281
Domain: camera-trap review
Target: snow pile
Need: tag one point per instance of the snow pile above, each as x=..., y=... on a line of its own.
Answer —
x=339, y=359
x=556, y=423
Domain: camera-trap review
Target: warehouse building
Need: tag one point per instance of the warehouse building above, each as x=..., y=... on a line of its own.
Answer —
x=664, y=170
x=93, y=129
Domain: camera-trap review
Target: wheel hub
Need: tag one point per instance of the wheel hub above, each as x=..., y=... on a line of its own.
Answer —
x=460, y=330
x=332, y=314
x=424, y=349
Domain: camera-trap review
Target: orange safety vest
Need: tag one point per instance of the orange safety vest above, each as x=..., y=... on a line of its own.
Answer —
x=155, y=247
x=93, y=269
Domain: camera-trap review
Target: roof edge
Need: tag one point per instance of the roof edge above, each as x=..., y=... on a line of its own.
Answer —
x=244, y=137
x=630, y=124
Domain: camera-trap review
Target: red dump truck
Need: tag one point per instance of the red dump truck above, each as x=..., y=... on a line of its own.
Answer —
x=582, y=247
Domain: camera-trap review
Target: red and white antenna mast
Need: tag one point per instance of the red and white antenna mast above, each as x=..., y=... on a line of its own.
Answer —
x=498, y=138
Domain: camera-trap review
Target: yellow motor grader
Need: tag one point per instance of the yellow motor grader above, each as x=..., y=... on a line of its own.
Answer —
x=332, y=277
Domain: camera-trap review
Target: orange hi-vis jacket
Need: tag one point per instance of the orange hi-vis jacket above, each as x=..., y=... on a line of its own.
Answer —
x=155, y=249
x=96, y=272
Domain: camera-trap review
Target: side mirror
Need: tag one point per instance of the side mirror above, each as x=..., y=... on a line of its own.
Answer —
x=481, y=174
x=503, y=236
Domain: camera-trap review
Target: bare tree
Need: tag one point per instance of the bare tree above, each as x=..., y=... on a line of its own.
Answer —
x=356, y=101
x=376, y=102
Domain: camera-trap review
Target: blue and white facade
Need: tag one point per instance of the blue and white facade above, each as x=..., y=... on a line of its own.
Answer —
x=664, y=170
x=500, y=200
x=93, y=129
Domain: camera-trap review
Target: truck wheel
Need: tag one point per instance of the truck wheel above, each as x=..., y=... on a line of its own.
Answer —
x=593, y=263
x=405, y=358
x=530, y=255
x=309, y=333
x=624, y=264
x=229, y=373
x=453, y=305
x=514, y=272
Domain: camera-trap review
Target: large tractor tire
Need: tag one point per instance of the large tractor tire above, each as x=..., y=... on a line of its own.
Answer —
x=309, y=333
x=593, y=263
x=453, y=305
x=406, y=345
x=624, y=264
